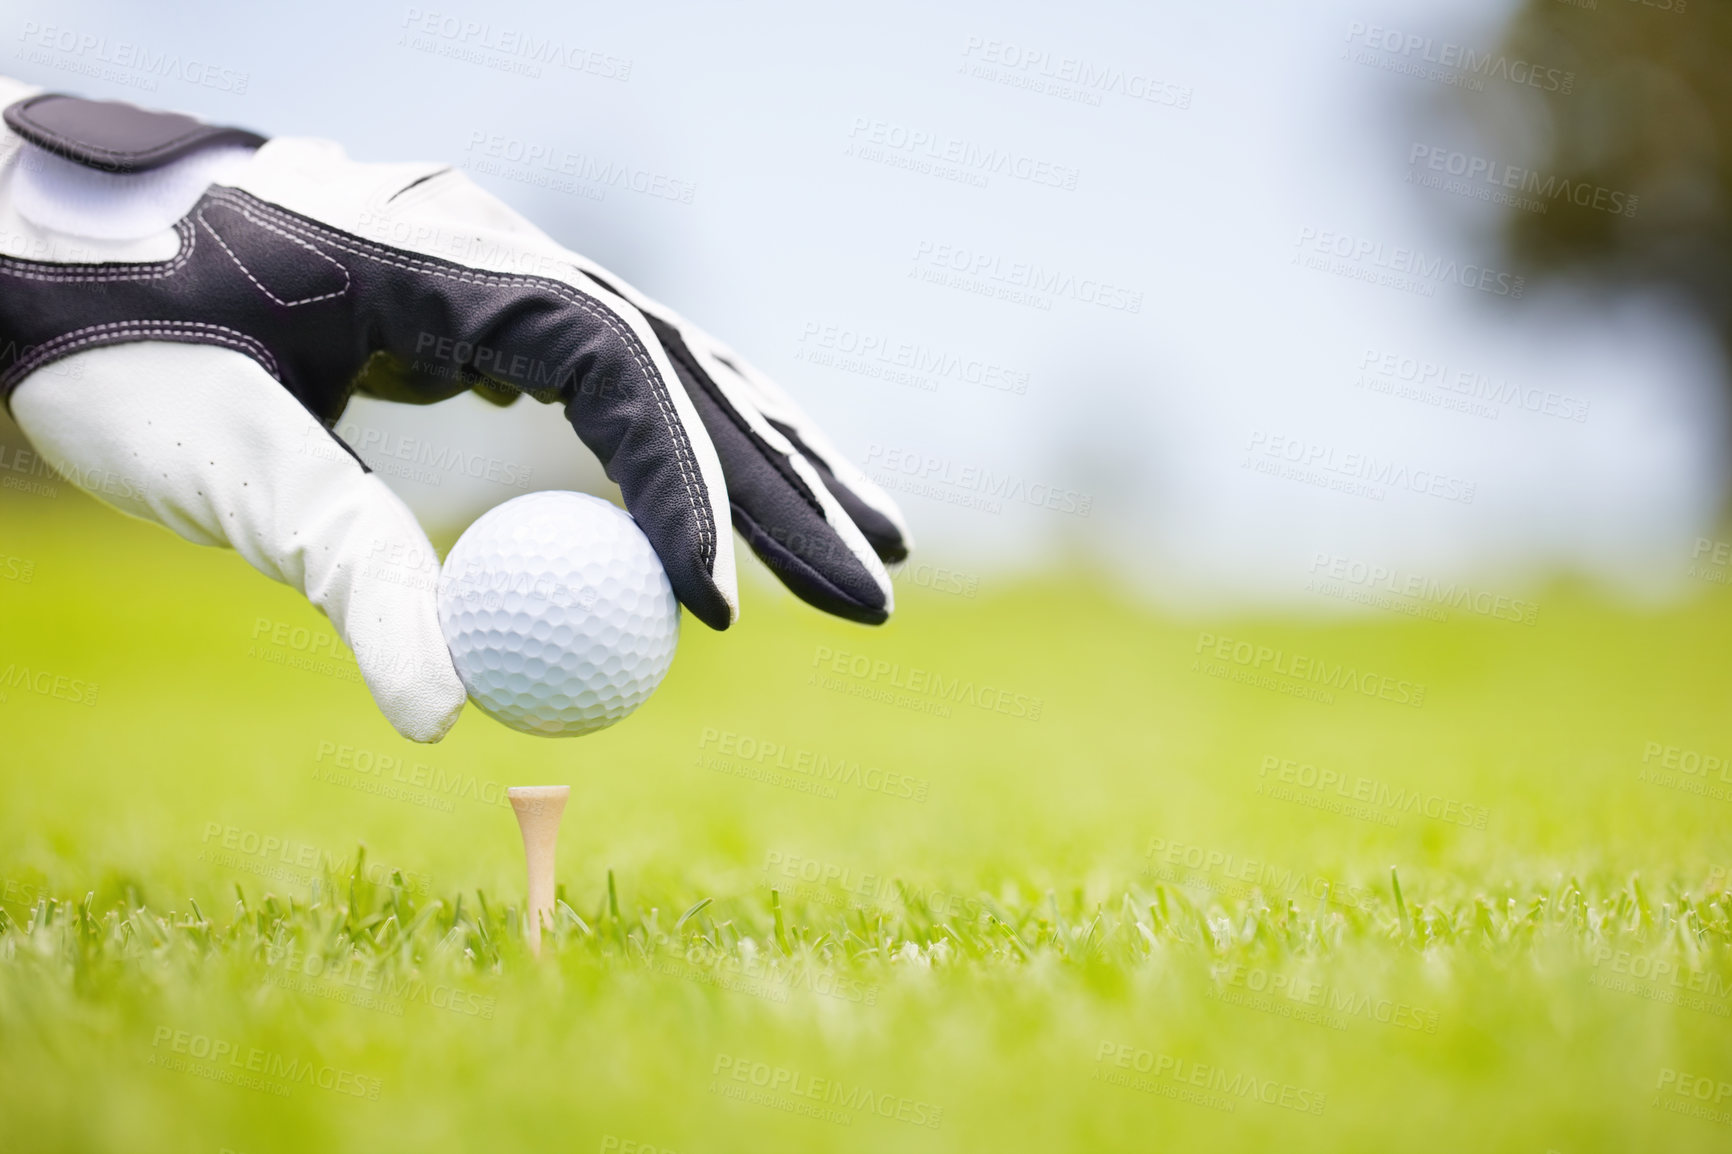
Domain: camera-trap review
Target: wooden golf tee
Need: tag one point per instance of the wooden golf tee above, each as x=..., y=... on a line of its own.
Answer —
x=538, y=809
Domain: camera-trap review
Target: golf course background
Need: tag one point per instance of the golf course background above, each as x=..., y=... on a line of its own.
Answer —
x=1034, y=867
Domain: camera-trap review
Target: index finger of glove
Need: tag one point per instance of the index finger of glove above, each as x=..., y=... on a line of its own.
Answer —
x=560, y=338
x=624, y=399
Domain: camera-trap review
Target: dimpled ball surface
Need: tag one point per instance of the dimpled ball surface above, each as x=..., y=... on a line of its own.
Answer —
x=558, y=614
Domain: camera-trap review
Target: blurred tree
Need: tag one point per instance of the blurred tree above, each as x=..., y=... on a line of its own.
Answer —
x=1649, y=114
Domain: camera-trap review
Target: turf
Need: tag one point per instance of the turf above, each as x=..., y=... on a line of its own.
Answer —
x=1034, y=869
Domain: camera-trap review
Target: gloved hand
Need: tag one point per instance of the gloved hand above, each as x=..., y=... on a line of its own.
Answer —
x=190, y=307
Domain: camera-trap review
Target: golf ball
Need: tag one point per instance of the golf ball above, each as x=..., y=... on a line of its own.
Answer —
x=558, y=614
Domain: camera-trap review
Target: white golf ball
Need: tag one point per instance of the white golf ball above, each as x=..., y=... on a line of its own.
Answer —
x=558, y=614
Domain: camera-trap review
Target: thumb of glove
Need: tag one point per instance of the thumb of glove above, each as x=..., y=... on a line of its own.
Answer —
x=203, y=440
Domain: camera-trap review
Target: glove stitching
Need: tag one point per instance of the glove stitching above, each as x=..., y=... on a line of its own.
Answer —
x=684, y=456
x=771, y=456
x=68, y=343
x=756, y=535
x=157, y=270
x=293, y=240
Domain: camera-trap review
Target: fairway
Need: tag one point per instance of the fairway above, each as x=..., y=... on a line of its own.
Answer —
x=1035, y=869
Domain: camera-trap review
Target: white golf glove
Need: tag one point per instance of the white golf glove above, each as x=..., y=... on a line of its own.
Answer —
x=186, y=309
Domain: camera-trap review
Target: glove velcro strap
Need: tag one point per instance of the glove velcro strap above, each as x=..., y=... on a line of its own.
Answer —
x=115, y=137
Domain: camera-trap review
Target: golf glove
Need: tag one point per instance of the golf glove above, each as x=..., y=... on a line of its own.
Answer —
x=186, y=309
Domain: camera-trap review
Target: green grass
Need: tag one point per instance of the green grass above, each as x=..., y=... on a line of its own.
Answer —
x=1095, y=929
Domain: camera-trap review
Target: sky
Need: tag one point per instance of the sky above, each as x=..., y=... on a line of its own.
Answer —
x=1186, y=288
